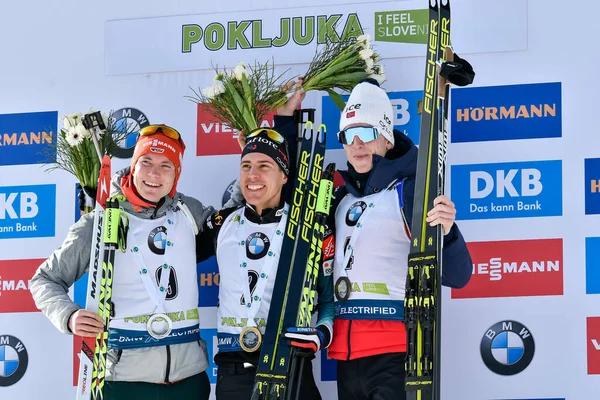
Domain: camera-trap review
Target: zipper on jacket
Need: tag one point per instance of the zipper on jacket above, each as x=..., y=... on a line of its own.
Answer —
x=168, y=363
x=349, y=349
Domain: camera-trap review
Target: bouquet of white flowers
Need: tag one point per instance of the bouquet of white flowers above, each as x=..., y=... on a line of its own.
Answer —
x=341, y=65
x=74, y=150
x=242, y=97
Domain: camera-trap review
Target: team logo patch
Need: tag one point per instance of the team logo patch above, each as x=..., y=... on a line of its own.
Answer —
x=257, y=245
x=218, y=218
x=328, y=247
x=13, y=360
x=507, y=348
x=328, y=267
x=157, y=240
x=355, y=212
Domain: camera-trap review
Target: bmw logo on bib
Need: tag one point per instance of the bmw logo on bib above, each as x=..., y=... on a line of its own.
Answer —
x=257, y=245
x=354, y=213
x=157, y=240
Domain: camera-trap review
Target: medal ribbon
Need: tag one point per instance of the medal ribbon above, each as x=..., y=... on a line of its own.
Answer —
x=158, y=293
x=253, y=302
x=350, y=247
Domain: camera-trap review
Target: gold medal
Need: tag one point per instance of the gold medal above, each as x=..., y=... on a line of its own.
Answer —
x=250, y=339
x=342, y=288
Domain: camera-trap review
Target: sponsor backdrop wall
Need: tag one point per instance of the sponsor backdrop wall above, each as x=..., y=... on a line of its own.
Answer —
x=525, y=164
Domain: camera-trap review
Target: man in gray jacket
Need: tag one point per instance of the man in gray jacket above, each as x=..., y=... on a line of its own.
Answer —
x=159, y=255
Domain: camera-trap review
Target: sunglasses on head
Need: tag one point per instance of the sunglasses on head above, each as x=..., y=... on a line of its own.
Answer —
x=364, y=133
x=164, y=129
x=272, y=134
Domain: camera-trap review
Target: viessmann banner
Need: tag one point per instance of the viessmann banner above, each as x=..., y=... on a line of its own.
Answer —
x=290, y=36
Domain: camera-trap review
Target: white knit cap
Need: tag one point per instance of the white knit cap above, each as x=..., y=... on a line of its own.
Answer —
x=369, y=104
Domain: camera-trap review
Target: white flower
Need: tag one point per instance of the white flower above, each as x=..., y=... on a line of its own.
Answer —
x=377, y=73
x=239, y=72
x=243, y=64
x=84, y=133
x=218, y=88
x=369, y=62
x=71, y=120
x=220, y=76
x=366, y=54
x=73, y=137
x=365, y=39
x=209, y=92
x=76, y=117
x=214, y=90
x=67, y=123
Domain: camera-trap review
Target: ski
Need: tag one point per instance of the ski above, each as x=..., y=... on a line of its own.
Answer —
x=272, y=375
x=314, y=261
x=296, y=312
x=313, y=266
x=424, y=278
x=445, y=54
x=86, y=356
x=113, y=240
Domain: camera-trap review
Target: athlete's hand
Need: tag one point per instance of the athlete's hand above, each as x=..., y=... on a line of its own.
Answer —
x=295, y=99
x=305, y=338
x=443, y=212
x=85, y=323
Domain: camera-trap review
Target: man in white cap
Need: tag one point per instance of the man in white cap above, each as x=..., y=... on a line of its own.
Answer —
x=378, y=192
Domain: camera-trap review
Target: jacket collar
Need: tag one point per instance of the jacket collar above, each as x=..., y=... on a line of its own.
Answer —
x=268, y=215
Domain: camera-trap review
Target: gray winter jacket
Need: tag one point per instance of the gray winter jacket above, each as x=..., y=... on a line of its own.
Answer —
x=52, y=280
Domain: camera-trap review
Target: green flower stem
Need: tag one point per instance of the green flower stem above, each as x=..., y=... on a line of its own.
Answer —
x=239, y=102
x=328, y=73
x=331, y=64
x=344, y=78
x=337, y=99
x=247, y=92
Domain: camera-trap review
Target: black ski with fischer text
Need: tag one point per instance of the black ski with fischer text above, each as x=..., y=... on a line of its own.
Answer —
x=292, y=301
x=424, y=279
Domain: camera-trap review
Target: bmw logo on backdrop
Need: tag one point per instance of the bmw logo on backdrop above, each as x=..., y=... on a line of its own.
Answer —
x=507, y=347
x=13, y=360
x=131, y=120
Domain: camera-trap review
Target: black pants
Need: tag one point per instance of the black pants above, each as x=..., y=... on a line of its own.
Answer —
x=195, y=387
x=234, y=382
x=379, y=377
